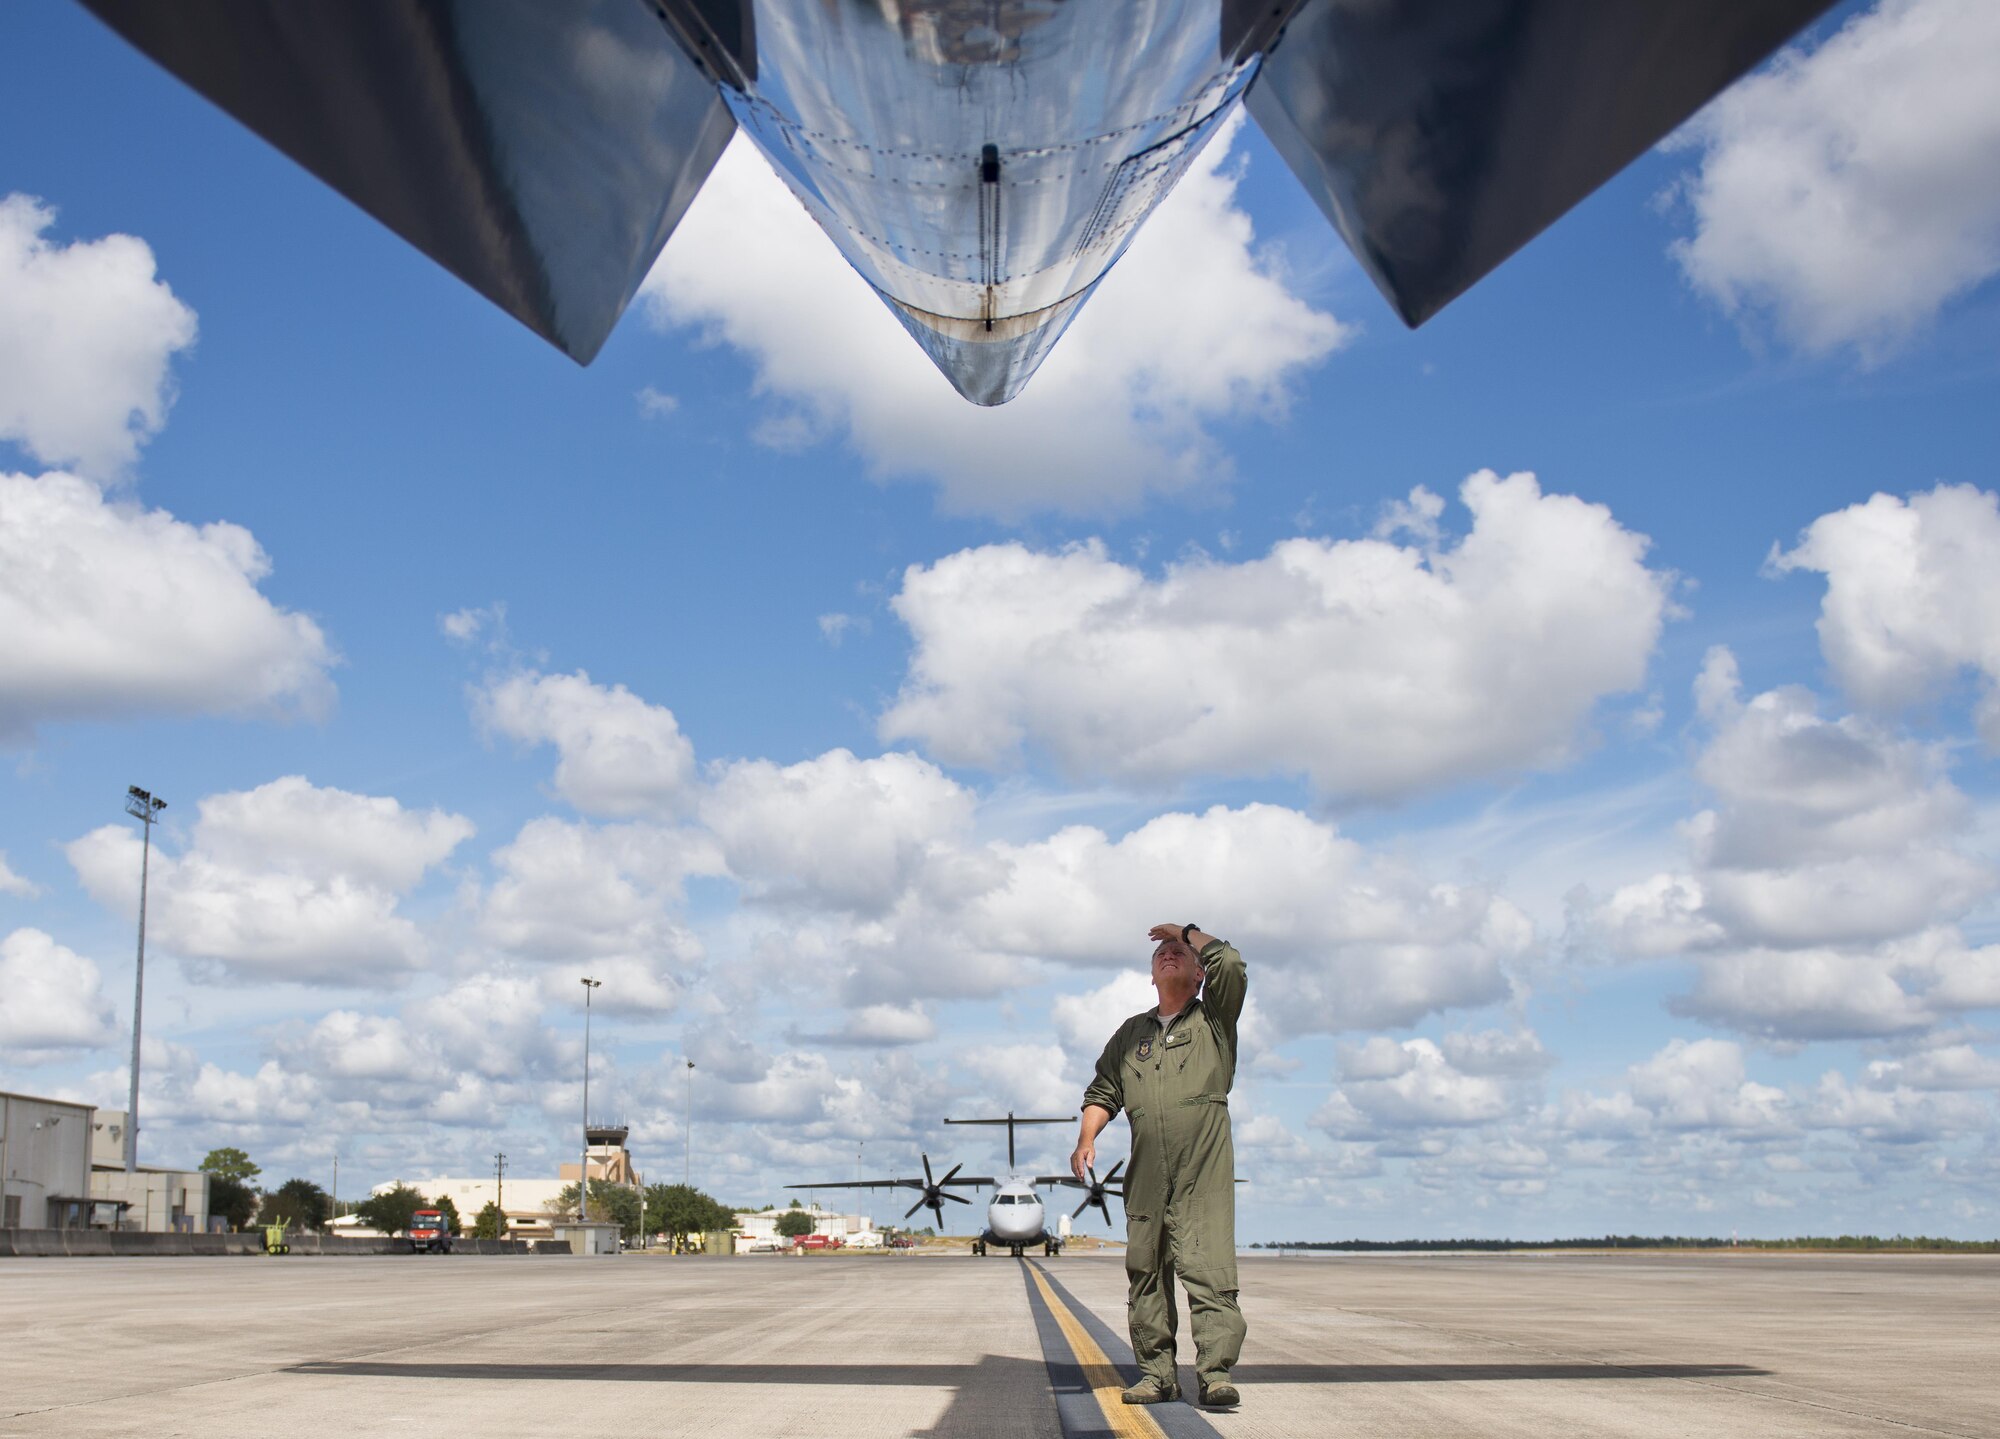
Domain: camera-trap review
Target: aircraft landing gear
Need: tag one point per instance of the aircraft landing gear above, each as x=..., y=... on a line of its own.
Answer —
x=1017, y=1251
x=978, y=1247
x=1051, y=1249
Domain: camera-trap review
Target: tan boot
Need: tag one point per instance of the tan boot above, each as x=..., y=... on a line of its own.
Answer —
x=1151, y=1391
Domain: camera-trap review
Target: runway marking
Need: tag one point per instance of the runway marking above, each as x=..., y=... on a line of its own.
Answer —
x=1103, y=1363
x=1099, y=1376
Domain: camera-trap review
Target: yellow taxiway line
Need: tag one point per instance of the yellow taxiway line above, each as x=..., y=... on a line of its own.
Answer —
x=1127, y=1421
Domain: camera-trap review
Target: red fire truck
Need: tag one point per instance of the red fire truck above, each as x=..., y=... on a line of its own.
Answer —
x=428, y=1233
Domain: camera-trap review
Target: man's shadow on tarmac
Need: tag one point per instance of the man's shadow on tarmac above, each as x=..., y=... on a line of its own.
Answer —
x=996, y=1385
x=939, y=1376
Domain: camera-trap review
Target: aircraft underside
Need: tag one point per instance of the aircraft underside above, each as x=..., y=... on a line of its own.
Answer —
x=980, y=163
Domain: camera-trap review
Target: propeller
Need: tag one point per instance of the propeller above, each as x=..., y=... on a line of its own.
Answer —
x=1098, y=1188
x=935, y=1193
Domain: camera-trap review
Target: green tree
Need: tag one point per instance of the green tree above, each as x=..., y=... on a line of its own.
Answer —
x=683, y=1209
x=299, y=1203
x=608, y=1201
x=231, y=1197
x=448, y=1208
x=491, y=1223
x=230, y=1194
x=231, y=1201
x=230, y=1164
x=795, y=1224
x=390, y=1210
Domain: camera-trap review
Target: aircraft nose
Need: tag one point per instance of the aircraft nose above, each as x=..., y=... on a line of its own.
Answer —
x=989, y=361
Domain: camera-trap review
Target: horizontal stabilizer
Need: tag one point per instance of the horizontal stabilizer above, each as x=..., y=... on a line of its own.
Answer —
x=540, y=150
x=1440, y=138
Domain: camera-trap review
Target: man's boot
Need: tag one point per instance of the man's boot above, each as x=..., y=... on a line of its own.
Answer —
x=1220, y=1395
x=1151, y=1391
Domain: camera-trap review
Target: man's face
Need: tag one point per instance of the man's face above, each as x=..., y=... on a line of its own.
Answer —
x=1174, y=964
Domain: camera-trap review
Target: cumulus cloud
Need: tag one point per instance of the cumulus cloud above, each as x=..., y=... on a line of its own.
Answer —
x=87, y=332
x=1387, y=1087
x=880, y=1026
x=616, y=754
x=1022, y=1078
x=1378, y=667
x=1894, y=1115
x=1119, y=412
x=1826, y=880
x=327, y=832
x=570, y=892
x=1085, y=1021
x=1516, y=1054
x=469, y=1055
x=1398, y=1092
x=109, y=610
x=198, y=1098
x=477, y=625
x=14, y=884
x=1851, y=191
x=286, y=882
x=1948, y=1066
x=1703, y=1084
x=1357, y=942
x=837, y=831
x=51, y=999
x=1912, y=588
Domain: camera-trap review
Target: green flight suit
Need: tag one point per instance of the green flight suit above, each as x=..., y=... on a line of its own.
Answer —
x=1180, y=1184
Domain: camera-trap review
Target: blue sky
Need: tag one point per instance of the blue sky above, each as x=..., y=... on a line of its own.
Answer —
x=1613, y=849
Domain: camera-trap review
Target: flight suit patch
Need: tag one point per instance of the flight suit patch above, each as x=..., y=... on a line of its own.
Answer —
x=1146, y=1047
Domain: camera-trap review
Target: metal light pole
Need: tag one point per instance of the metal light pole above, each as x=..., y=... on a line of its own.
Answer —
x=687, y=1130
x=144, y=808
x=500, y=1183
x=583, y=1170
x=335, y=1196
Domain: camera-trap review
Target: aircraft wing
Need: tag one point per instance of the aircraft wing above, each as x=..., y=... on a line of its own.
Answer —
x=540, y=150
x=865, y=1184
x=1440, y=138
x=970, y=1181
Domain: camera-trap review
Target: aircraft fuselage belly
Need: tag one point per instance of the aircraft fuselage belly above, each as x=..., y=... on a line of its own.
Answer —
x=983, y=165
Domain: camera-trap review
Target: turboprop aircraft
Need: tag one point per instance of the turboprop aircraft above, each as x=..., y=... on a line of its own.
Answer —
x=1016, y=1219
x=980, y=163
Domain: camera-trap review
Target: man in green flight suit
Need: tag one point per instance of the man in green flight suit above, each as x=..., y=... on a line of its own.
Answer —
x=1171, y=1069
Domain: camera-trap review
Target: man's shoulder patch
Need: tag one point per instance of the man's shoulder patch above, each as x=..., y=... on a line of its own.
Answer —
x=1145, y=1050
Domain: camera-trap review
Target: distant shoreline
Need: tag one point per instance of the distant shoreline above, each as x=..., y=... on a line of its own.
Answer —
x=1843, y=1244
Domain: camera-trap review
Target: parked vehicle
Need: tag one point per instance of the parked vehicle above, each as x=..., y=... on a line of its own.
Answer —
x=429, y=1233
x=819, y=1241
x=902, y=1241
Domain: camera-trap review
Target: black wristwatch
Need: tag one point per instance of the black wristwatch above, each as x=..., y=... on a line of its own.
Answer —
x=1186, y=930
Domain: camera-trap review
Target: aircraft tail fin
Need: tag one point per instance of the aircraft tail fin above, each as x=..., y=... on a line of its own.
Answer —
x=1010, y=1121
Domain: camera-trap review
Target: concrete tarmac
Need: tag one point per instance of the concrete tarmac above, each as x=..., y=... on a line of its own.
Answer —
x=1641, y=1345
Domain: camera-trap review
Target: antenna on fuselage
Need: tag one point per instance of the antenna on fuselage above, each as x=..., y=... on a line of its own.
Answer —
x=1010, y=1121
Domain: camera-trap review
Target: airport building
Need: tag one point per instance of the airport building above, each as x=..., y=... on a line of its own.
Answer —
x=760, y=1230
x=44, y=1163
x=62, y=1166
x=530, y=1204
x=152, y=1199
